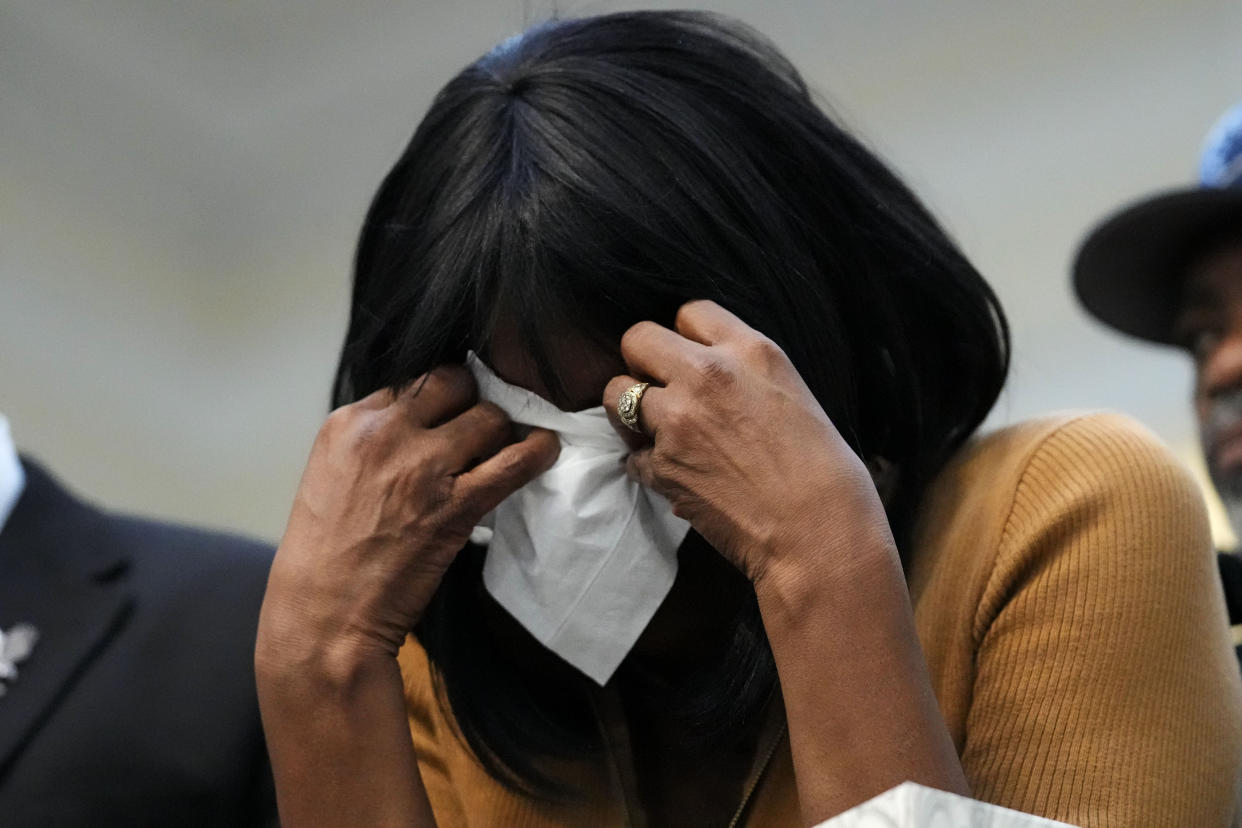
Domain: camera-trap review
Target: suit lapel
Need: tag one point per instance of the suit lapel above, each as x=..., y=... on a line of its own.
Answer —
x=59, y=570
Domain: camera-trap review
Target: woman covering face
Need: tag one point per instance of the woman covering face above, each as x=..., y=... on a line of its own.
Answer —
x=774, y=575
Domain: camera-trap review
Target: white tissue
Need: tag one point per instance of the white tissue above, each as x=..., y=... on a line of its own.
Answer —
x=582, y=556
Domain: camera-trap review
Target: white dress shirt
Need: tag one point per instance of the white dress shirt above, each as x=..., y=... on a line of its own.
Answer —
x=12, y=477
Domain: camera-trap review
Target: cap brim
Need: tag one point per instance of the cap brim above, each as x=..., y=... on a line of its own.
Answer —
x=1127, y=273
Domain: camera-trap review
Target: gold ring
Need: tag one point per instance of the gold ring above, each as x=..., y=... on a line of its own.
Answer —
x=627, y=405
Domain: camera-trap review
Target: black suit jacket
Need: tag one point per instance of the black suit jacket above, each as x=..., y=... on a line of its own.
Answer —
x=137, y=705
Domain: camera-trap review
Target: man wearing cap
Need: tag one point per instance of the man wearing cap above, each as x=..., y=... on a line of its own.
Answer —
x=1168, y=269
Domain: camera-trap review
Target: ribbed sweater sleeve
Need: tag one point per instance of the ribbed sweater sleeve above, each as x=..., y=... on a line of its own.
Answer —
x=1105, y=692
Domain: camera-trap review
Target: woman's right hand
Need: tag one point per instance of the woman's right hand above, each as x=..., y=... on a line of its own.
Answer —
x=393, y=487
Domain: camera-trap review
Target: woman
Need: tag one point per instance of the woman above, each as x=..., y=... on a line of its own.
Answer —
x=1029, y=618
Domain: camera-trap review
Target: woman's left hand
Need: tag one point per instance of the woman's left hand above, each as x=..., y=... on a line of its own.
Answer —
x=738, y=443
x=743, y=450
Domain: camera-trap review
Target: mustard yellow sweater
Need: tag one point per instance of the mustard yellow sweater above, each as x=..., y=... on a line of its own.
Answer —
x=1066, y=597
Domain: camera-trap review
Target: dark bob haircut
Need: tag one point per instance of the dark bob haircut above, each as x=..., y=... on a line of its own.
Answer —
x=596, y=172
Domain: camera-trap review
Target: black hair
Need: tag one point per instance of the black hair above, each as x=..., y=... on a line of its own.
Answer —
x=595, y=172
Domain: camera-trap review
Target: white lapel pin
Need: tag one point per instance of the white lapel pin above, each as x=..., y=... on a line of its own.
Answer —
x=15, y=647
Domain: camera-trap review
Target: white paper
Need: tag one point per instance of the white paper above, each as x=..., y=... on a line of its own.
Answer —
x=582, y=556
x=910, y=805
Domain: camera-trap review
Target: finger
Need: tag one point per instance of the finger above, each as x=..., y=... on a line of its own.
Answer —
x=437, y=396
x=473, y=436
x=638, y=467
x=706, y=322
x=649, y=407
x=657, y=353
x=482, y=488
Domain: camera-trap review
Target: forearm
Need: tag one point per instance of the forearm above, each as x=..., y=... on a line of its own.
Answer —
x=339, y=743
x=861, y=712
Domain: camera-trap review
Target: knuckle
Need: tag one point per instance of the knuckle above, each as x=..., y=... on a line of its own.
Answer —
x=635, y=336
x=338, y=421
x=350, y=425
x=687, y=313
x=674, y=420
x=441, y=501
x=447, y=381
x=713, y=369
x=763, y=351
x=429, y=453
x=513, y=465
x=433, y=491
x=545, y=444
x=441, y=492
x=491, y=417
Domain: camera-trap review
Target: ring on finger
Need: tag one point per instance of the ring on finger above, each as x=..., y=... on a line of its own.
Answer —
x=627, y=405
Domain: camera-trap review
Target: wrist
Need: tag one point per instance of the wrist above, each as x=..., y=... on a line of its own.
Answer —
x=840, y=517
x=290, y=648
x=331, y=684
x=312, y=619
x=844, y=575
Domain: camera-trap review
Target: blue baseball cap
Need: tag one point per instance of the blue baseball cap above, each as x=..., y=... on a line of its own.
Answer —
x=1129, y=269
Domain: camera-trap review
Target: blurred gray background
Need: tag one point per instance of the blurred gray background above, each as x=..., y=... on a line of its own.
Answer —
x=181, y=185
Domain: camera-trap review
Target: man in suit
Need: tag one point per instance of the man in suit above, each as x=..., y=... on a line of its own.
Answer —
x=1168, y=269
x=128, y=685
